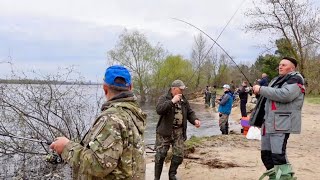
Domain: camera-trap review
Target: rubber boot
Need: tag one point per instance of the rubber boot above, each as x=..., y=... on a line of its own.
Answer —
x=158, y=165
x=284, y=172
x=227, y=128
x=271, y=173
x=175, y=162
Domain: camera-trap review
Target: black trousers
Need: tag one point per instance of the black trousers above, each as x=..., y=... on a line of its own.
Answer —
x=243, y=109
x=273, y=149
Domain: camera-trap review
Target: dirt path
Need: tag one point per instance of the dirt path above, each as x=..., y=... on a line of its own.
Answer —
x=235, y=157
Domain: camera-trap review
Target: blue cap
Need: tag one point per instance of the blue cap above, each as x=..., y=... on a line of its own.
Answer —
x=115, y=71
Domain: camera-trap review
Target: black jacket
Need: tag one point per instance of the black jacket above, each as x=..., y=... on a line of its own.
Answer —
x=243, y=94
x=166, y=109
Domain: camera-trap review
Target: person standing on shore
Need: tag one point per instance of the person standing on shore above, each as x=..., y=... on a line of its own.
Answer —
x=213, y=92
x=279, y=111
x=243, y=95
x=232, y=87
x=174, y=111
x=225, y=106
x=113, y=148
x=207, y=96
x=264, y=81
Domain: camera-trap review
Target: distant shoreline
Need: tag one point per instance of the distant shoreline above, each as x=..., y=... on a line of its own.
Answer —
x=29, y=81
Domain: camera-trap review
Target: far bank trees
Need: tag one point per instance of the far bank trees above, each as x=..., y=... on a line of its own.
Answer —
x=297, y=22
x=135, y=52
x=294, y=26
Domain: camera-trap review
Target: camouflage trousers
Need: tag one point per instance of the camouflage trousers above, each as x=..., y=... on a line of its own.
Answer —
x=176, y=140
x=223, y=123
x=213, y=101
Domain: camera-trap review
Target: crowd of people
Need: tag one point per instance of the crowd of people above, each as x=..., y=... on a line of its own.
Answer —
x=113, y=148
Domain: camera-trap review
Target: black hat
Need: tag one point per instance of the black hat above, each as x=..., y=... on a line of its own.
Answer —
x=295, y=62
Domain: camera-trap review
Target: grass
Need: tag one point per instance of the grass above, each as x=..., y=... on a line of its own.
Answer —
x=312, y=99
x=194, y=141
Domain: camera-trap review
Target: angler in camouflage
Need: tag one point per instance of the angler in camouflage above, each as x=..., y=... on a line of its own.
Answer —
x=174, y=110
x=113, y=148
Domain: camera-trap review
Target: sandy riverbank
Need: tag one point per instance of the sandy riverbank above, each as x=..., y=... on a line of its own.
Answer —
x=235, y=157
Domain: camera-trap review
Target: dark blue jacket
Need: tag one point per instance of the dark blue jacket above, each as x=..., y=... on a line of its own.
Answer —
x=264, y=81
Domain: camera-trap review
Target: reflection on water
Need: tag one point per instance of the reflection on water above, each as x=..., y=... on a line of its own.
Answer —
x=209, y=125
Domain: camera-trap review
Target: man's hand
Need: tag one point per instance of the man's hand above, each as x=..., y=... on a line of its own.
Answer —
x=197, y=123
x=256, y=89
x=176, y=98
x=59, y=144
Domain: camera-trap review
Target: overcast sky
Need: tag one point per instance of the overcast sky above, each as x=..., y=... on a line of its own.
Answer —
x=44, y=35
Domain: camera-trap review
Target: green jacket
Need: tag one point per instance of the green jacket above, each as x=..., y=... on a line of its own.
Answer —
x=166, y=109
x=113, y=148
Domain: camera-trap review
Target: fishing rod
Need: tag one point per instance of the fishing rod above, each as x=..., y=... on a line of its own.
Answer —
x=217, y=45
x=215, y=42
x=224, y=28
x=51, y=157
x=24, y=138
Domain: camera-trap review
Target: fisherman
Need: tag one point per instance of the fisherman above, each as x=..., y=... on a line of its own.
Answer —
x=174, y=110
x=243, y=95
x=232, y=87
x=278, y=112
x=264, y=81
x=113, y=148
x=213, y=92
x=207, y=96
x=225, y=106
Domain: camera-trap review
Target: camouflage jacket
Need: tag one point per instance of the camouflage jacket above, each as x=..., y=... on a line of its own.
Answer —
x=114, y=146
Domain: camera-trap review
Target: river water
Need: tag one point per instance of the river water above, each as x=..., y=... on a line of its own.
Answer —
x=209, y=121
x=209, y=125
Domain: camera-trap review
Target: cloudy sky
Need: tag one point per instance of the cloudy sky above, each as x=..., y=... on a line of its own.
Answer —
x=44, y=35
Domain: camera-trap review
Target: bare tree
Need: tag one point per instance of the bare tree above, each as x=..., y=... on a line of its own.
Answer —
x=57, y=105
x=223, y=69
x=135, y=52
x=210, y=67
x=296, y=21
x=198, y=56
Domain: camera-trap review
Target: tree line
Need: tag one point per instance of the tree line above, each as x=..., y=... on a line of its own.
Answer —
x=294, y=29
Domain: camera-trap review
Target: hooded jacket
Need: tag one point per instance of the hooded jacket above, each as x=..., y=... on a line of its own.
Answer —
x=165, y=108
x=114, y=146
x=283, y=99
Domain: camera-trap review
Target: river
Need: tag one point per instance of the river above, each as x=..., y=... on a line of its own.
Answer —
x=209, y=125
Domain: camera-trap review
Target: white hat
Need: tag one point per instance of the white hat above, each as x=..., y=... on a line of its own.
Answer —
x=226, y=86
